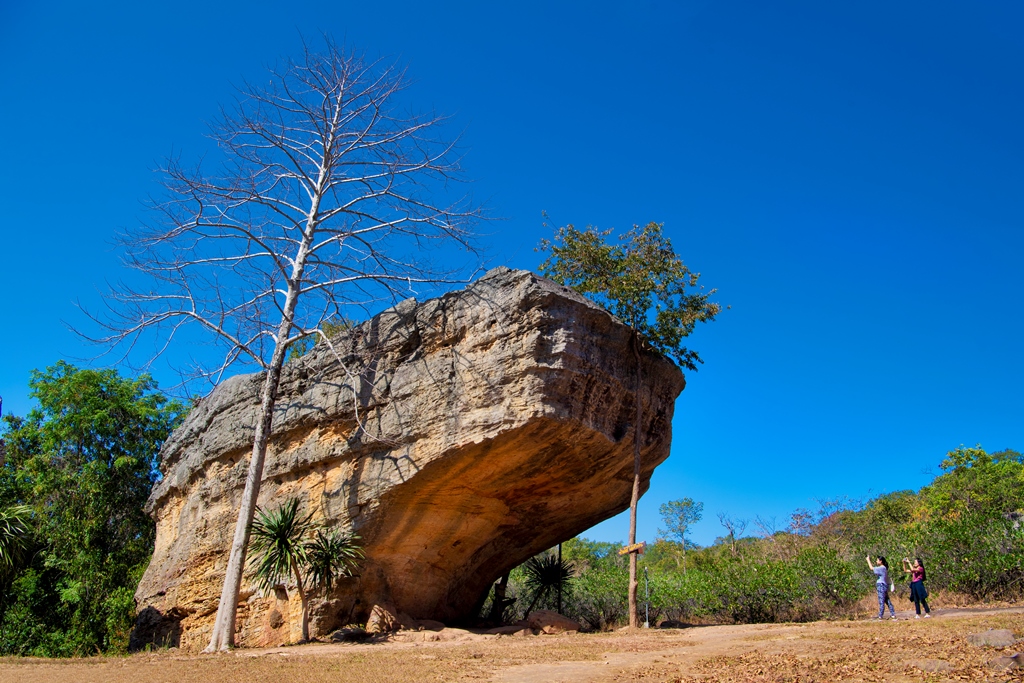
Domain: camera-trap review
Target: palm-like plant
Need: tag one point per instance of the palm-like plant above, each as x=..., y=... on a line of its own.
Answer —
x=544, y=574
x=280, y=546
x=329, y=555
x=14, y=531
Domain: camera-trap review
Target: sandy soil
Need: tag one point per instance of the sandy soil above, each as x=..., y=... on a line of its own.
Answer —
x=905, y=650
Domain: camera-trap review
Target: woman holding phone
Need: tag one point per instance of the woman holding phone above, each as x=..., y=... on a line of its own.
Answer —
x=918, y=593
x=881, y=570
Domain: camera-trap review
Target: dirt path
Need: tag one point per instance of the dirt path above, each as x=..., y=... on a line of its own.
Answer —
x=906, y=650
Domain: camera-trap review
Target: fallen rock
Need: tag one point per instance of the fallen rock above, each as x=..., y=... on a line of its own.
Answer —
x=1014, y=661
x=672, y=623
x=931, y=665
x=492, y=423
x=350, y=635
x=407, y=623
x=445, y=635
x=430, y=625
x=551, y=622
x=382, y=619
x=992, y=638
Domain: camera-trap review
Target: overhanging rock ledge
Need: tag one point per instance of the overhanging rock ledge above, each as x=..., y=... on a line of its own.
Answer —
x=496, y=421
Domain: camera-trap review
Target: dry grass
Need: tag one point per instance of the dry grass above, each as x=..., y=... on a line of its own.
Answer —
x=808, y=653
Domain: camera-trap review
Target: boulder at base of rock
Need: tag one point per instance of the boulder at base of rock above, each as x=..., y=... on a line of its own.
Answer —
x=382, y=619
x=349, y=635
x=551, y=622
x=407, y=623
x=992, y=638
x=430, y=625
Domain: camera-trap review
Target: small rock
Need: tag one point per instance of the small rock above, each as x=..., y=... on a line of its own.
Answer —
x=349, y=635
x=406, y=622
x=1014, y=661
x=382, y=619
x=672, y=623
x=551, y=622
x=522, y=633
x=931, y=665
x=430, y=625
x=992, y=638
x=275, y=619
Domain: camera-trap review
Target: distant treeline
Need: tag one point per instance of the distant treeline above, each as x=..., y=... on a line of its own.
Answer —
x=966, y=526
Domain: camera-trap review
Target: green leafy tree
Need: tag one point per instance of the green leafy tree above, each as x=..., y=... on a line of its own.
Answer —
x=643, y=283
x=284, y=544
x=84, y=461
x=679, y=516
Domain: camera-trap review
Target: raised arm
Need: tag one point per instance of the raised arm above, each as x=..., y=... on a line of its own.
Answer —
x=870, y=566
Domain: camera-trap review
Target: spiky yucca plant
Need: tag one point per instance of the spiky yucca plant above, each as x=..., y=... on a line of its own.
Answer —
x=544, y=574
x=281, y=546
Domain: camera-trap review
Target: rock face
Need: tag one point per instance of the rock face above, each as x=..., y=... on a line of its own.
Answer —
x=457, y=438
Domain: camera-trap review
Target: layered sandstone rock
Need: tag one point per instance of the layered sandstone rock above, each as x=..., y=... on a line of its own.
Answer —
x=496, y=421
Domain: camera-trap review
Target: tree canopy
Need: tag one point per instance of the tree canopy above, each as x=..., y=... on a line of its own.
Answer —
x=84, y=462
x=640, y=280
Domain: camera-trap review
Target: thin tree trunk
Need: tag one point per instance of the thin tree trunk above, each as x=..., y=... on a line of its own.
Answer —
x=498, y=604
x=304, y=600
x=223, y=636
x=635, y=497
x=559, y=578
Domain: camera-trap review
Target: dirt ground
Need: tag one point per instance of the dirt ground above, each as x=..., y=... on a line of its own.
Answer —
x=934, y=649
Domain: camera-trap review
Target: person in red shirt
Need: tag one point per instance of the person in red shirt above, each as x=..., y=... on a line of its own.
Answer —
x=918, y=593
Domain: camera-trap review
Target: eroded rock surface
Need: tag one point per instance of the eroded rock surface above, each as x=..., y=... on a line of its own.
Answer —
x=496, y=422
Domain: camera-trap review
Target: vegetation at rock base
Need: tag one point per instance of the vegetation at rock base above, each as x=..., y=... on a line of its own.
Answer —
x=285, y=545
x=76, y=475
x=967, y=526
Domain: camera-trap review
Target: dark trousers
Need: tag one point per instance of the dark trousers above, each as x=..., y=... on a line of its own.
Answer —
x=920, y=596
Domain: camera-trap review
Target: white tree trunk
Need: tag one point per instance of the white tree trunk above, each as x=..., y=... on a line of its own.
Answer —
x=223, y=636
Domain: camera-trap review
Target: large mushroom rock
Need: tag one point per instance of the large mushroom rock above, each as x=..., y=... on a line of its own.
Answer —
x=457, y=437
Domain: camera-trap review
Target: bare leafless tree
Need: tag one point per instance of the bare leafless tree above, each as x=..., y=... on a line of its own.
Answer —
x=328, y=199
x=766, y=527
x=735, y=527
x=801, y=522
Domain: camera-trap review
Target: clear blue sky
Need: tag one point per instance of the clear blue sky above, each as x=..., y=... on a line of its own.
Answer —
x=850, y=176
